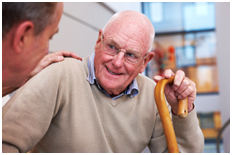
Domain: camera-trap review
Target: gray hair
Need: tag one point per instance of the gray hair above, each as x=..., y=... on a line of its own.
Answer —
x=116, y=15
x=40, y=13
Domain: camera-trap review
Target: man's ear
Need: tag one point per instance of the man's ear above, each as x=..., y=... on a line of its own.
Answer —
x=23, y=36
x=99, y=38
x=149, y=56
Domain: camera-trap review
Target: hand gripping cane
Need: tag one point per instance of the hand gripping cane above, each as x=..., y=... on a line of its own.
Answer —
x=165, y=116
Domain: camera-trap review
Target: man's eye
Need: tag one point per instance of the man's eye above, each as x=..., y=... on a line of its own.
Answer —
x=132, y=55
x=112, y=47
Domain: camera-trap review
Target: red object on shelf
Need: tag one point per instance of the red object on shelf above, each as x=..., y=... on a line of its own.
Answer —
x=171, y=49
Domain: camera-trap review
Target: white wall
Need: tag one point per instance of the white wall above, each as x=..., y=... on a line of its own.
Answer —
x=79, y=27
x=207, y=103
x=121, y=6
x=223, y=59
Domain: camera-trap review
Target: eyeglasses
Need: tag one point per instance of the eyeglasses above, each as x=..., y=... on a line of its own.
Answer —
x=130, y=56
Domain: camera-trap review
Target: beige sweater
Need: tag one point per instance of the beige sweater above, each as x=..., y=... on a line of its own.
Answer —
x=59, y=111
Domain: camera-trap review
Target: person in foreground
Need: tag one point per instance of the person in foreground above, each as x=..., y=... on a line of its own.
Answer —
x=102, y=103
x=27, y=28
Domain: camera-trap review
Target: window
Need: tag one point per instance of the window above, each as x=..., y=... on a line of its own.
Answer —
x=185, y=39
x=180, y=16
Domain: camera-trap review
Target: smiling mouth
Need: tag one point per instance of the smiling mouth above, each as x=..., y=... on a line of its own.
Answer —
x=111, y=72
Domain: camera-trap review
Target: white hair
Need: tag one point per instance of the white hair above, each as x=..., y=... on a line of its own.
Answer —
x=116, y=15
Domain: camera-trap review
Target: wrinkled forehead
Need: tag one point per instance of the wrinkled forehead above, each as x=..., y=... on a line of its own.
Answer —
x=129, y=31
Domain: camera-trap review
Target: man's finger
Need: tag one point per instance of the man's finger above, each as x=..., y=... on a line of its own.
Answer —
x=179, y=77
x=157, y=78
x=168, y=73
x=57, y=59
x=67, y=54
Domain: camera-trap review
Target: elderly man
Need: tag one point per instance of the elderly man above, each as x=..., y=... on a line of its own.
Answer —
x=100, y=104
x=26, y=31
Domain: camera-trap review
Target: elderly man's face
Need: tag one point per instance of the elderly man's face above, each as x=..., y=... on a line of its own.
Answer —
x=114, y=73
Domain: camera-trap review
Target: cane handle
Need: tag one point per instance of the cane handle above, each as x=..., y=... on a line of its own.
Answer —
x=165, y=116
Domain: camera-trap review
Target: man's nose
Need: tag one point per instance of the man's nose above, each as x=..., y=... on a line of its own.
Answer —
x=118, y=59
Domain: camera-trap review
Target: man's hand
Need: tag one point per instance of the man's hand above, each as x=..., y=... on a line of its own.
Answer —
x=51, y=58
x=181, y=88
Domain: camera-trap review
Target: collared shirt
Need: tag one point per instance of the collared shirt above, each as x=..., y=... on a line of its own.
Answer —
x=131, y=90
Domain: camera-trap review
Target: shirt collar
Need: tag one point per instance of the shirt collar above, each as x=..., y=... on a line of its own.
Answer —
x=131, y=90
x=91, y=76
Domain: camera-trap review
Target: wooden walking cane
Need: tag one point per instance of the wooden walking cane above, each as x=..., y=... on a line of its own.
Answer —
x=165, y=116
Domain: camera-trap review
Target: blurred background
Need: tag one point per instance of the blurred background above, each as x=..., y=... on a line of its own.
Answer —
x=191, y=36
